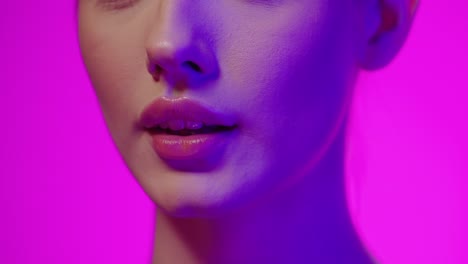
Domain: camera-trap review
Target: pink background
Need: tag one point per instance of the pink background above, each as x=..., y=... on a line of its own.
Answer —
x=66, y=196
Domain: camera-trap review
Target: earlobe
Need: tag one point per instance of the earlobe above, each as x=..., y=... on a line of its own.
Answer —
x=389, y=21
x=383, y=45
x=413, y=6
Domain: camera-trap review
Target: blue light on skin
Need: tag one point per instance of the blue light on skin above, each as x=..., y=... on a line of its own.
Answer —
x=285, y=69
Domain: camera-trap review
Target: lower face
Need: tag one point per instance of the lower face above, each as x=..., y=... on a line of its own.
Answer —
x=285, y=69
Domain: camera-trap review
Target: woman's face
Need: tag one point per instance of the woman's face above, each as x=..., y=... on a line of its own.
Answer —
x=279, y=70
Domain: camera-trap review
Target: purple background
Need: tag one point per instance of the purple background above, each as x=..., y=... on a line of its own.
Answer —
x=67, y=197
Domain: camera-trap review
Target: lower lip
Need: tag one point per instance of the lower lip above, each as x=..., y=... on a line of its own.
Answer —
x=201, y=146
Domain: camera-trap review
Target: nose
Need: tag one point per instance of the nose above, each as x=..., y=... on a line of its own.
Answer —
x=177, y=52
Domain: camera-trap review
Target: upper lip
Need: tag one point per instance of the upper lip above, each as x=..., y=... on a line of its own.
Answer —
x=164, y=109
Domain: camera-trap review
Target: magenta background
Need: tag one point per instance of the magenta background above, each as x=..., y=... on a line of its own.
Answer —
x=66, y=196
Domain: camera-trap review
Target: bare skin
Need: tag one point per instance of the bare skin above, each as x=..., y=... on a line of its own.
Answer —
x=285, y=70
x=309, y=223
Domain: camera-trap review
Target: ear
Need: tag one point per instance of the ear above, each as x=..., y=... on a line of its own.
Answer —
x=386, y=25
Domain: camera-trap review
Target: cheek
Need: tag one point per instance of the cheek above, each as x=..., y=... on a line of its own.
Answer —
x=291, y=82
x=293, y=60
x=116, y=69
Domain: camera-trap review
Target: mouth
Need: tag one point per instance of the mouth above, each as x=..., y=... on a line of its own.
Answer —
x=182, y=115
x=189, y=131
x=182, y=129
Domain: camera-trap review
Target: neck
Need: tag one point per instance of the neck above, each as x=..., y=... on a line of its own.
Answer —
x=309, y=223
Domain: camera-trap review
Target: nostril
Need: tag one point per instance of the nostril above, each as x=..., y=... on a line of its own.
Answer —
x=193, y=66
x=158, y=69
x=157, y=72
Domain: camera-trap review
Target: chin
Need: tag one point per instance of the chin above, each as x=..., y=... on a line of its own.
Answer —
x=206, y=195
x=193, y=208
x=182, y=195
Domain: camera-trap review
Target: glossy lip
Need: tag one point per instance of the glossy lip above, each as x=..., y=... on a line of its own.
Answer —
x=165, y=109
x=192, y=147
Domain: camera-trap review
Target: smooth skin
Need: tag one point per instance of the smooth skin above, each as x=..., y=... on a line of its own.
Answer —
x=286, y=69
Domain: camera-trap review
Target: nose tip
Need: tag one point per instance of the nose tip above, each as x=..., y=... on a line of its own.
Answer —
x=179, y=60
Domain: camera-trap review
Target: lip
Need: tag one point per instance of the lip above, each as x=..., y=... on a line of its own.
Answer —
x=165, y=109
x=192, y=147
